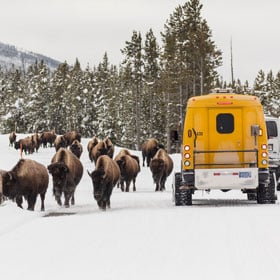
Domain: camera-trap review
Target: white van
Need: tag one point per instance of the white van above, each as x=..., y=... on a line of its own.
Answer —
x=273, y=136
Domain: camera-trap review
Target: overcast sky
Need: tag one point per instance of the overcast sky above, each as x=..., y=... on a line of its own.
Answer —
x=66, y=29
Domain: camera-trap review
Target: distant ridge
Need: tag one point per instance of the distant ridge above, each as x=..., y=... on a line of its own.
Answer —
x=11, y=56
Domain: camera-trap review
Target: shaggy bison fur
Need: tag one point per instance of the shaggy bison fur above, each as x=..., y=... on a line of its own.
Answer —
x=104, y=147
x=129, y=166
x=70, y=136
x=12, y=138
x=67, y=171
x=76, y=148
x=27, y=179
x=47, y=137
x=104, y=178
x=149, y=149
x=59, y=142
x=161, y=166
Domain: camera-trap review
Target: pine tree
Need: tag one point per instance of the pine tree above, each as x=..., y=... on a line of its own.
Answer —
x=37, y=97
x=73, y=98
x=13, y=94
x=190, y=59
x=133, y=61
x=87, y=127
x=59, y=99
x=151, y=101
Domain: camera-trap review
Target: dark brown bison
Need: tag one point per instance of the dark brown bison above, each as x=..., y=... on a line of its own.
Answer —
x=47, y=137
x=1, y=186
x=35, y=139
x=129, y=167
x=104, y=178
x=70, y=136
x=67, y=171
x=104, y=147
x=149, y=149
x=12, y=138
x=92, y=142
x=76, y=148
x=110, y=147
x=27, y=145
x=27, y=179
x=59, y=142
x=98, y=150
x=161, y=166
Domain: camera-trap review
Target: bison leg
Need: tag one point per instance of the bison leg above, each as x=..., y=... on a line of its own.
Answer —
x=67, y=197
x=122, y=184
x=134, y=186
x=144, y=158
x=42, y=195
x=57, y=195
x=19, y=201
x=127, y=185
x=102, y=204
x=73, y=199
x=148, y=160
x=31, y=200
x=162, y=184
x=157, y=187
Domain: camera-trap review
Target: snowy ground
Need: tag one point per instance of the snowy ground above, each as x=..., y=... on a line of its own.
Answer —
x=143, y=236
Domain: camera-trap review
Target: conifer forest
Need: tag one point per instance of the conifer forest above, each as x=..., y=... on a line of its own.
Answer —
x=144, y=96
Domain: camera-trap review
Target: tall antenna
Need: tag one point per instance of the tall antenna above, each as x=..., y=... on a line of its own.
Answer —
x=231, y=61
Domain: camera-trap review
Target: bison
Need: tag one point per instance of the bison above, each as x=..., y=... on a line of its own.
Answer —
x=70, y=136
x=47, y=137
x=98, y=150
x=12, y=138
x=104, y=147
x=1, y=186
x=59, y=142
x=91, y=144
x=129, y=167
x=161, y=166
x=27, y=179
x=76, y=148
x=67, y=171
x=35, y=139
x=104, y=178
x=110, y=147
x=27, y=145
x=149, y=149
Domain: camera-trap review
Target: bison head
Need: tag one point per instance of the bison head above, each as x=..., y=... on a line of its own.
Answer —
x=59, y=171
x=17, y=145
x=98, y=181
x=9, y=185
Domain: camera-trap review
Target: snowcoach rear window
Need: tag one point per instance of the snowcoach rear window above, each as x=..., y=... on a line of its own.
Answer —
x=225, y=123
x=271, y=129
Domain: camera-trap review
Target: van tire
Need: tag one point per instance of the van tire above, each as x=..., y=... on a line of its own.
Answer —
x=266, y=192
x=182, y=197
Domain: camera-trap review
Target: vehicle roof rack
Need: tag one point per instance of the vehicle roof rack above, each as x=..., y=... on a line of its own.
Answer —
x=222, y=90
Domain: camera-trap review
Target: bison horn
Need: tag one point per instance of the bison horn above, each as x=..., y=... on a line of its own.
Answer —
x=89, y=173
x=10, y=176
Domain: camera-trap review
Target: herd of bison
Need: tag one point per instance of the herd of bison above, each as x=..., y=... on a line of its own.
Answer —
x=29, y=178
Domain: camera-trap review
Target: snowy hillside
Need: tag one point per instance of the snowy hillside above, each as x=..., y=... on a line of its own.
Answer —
x=12, y=56
x=143, y=236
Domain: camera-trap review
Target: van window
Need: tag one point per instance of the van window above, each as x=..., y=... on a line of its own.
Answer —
x=225, y=123
x=271, y=129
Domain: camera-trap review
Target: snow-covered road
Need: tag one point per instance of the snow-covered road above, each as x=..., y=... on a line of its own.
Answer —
x=142, y=236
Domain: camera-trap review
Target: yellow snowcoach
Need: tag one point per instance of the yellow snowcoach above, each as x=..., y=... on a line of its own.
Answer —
x=224, y=147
